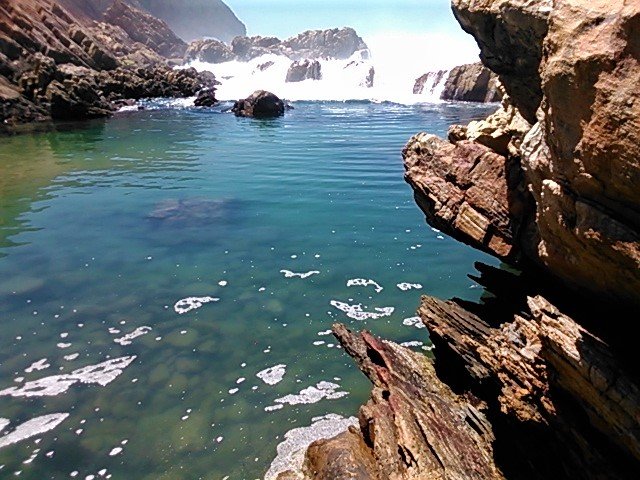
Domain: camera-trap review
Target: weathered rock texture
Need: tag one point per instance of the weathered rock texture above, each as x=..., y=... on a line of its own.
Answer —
x=304, y=70
x=547, y=183
x=427, y=83
x=260, y=104
x=339, y=43
x=60, y=64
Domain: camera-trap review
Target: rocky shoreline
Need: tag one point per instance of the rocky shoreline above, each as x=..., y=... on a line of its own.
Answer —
x=540, y=379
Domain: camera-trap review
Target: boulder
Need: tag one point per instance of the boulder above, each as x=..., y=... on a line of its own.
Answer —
x=261, y=104
x=339, y=43
x=304, y=70
x=206, y=98
x=471, y=83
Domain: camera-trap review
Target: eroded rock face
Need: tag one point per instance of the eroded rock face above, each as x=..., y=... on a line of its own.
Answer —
x=209, y=50
x=472, y=82
x=260, y=104
x=304, y=70
x=428, y=82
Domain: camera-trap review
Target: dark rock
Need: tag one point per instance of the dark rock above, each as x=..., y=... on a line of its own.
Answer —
x=206, y=98
x=340, y=43
x=261, y=104
x=304, y=70
x=266, y=65
x=471, y=83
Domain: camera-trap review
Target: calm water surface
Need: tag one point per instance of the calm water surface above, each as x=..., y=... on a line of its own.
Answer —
x=104, y=228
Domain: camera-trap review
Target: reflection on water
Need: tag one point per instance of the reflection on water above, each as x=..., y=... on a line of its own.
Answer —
x=169, y=279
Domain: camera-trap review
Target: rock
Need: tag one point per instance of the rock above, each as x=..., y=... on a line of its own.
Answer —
x=304, y=70
x=339, y=43
x=206, y=98
x=209, y=50
x=266, y=65
x=463, y=189
x=146, y=29
x=413, y=426
x=427, y=83
x=261, y=104
x=471, y=83
x=510, y=35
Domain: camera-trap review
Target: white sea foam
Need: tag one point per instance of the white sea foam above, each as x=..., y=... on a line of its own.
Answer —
x=290, y=274
x=313, y=394
x=292, y=450
x=413, y=343
x=272, y=375
x=357, y=313
x=413, y=322
x=3, y=423
x=408, y=286
x=31, y=428
x=127, y=339
x=192, y=303
x=39, y=365
x=101, y=374
x=361, y=282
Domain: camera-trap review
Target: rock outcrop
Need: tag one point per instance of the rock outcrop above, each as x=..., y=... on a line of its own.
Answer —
x=260, y=104
x=471, y=82
x=56, y=65
x=545, y=183
x=304, y=70
x=337, y=43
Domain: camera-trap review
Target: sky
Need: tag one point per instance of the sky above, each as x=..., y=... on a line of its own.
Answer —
x=406, y=29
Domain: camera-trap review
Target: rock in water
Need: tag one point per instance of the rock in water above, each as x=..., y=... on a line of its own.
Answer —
x=428, y=82
x=304, y=70
x=261, y=104
x=206, y=98
x=471, y=83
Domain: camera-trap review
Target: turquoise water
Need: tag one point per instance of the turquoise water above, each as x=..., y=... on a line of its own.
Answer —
x=104, y=228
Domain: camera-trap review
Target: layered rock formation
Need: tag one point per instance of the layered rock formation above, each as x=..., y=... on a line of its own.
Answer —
x=472, y=82
x=55, y=64
x=543, y=376
x=338, y=43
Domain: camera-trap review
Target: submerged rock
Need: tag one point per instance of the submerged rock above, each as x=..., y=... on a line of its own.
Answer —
x=261, y=104
x=193, y=211
x=304, y=70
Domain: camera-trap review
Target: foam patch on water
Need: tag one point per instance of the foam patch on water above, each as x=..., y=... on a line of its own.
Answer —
x=127, y=339
x=37, y=366
x=291, y=451
x=3, y=423
x=272, y=375
x=31, y=428
x=357, y=313
x=413, y=343
x=362, y=282
x=413, y=322
x=408, y=286
x=192, y=303
x=290, y=274
x=101, y=374
x=314, y=394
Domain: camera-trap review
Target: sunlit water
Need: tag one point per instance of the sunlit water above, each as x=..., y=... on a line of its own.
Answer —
x=105, y=228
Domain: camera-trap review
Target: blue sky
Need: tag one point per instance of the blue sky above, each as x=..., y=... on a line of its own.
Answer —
x=284, y=18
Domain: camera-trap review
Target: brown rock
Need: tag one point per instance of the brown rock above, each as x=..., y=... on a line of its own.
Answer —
x=209, y=50
x=260, y=104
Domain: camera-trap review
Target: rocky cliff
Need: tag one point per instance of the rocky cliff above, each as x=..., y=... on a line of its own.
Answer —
x=471, y=82
x=540, y=380
x=57, y=63
x=339, y=43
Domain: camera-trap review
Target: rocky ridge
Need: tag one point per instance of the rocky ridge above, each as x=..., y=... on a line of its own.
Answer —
x=539, y=380
x=59, y=65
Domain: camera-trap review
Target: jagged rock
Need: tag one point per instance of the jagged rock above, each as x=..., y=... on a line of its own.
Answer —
x=266, y=65
x=304, y=70
x=260, y=104
x=206, y=98
x=248, y=48
x=463, y=189
x=429, y=81
x=340, y=43
x=413, y=426
x=510, y=34
x=209, y=50
x=471, y=83
x=146, y=29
